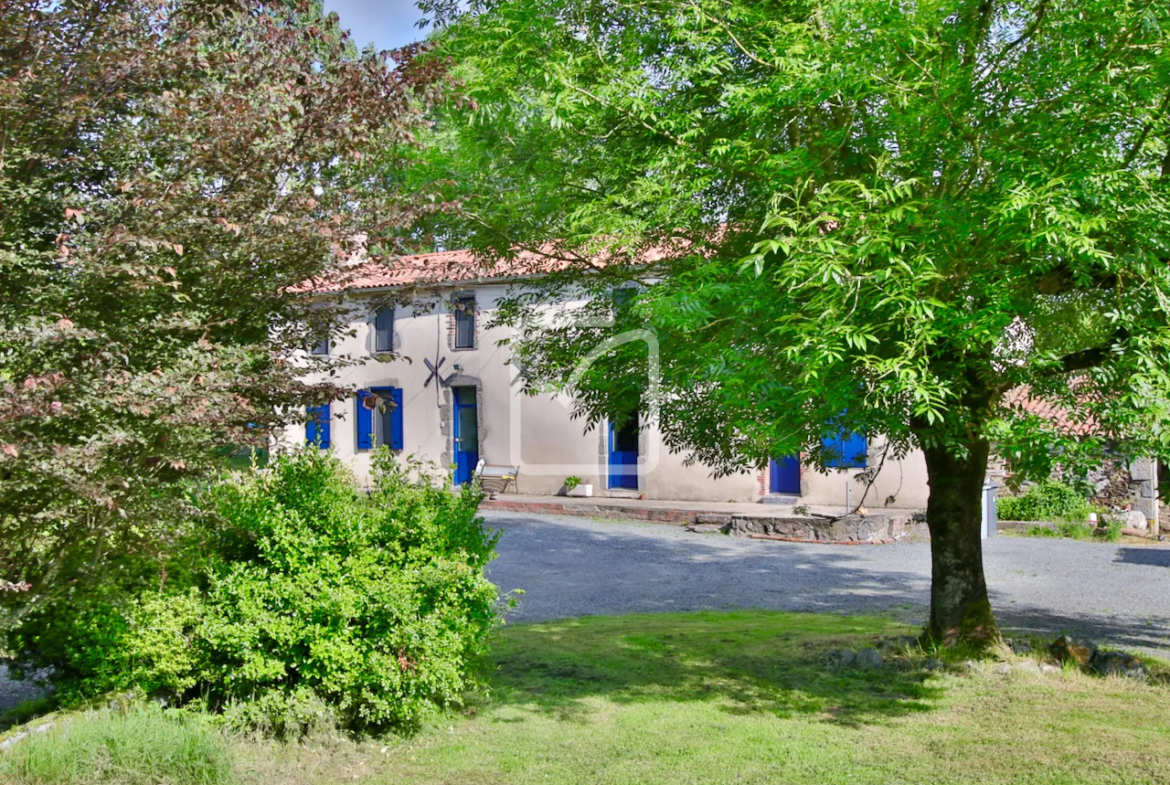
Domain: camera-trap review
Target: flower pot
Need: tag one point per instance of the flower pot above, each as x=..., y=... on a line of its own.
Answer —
x=581, y=490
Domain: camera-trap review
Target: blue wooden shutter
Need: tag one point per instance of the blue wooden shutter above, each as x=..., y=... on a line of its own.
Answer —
x=848, y=451
x=324, y=426
x=317, y=427
x=311, y=425
x=395, y=416
x=365, y=422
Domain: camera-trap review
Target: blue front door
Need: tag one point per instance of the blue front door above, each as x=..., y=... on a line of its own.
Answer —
x=785, y=475
x=623, y=454
x=466, y=434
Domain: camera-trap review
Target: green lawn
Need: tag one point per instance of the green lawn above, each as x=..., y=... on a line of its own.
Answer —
x=745, y=698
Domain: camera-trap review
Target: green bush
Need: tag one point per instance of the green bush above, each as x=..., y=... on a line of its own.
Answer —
x=1046, y=501
x=142, y=747
x=309, y=596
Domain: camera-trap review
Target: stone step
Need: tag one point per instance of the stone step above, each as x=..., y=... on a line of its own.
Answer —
x=781, y=498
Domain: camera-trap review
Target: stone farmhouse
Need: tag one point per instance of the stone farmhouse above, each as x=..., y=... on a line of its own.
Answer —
x=447, y=394
x=433, y=381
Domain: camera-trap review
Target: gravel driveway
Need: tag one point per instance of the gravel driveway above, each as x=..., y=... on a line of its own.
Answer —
x=1117, y=594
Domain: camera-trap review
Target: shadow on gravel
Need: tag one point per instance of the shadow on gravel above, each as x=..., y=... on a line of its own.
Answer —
x=1151, y=636
x=569, y=570
x=1146, y=557
x=747, y=661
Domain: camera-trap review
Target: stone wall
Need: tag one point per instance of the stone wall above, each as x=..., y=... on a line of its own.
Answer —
x=1116, y=484
x=847, y=529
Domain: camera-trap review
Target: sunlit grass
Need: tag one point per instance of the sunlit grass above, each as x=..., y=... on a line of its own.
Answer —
x=141, y=747
x=741, y=697
x=746, y=698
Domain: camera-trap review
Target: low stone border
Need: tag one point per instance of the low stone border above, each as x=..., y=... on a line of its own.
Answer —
x=846, y=530
x=1086, y=656
x=1079, y=653
x=609, y=511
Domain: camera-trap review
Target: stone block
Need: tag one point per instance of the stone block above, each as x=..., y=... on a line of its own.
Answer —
x=841, y=658
x=869, y=658
x=1117, y=663
x=1020, y=647
x=1143, y=469
x=1136, y=519
x=1077, y=650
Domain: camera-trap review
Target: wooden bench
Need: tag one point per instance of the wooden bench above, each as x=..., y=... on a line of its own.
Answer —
x=495, y=479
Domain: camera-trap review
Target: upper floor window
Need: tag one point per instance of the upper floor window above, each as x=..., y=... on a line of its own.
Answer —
x=464, y=308
x=623, y=300
x=321, y=346
x=384, y=329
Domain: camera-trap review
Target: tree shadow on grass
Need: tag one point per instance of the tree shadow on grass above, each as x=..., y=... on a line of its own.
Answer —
x=746, y=661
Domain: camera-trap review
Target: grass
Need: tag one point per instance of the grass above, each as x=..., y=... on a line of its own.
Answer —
x=741, y=697
x=140, y=747
x=744, y=698
x=25, y=711
x=1109, y=531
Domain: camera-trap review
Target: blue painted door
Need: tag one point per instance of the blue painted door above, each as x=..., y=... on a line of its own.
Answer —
x=785, y=475
x=466, y=434
x=623, y=455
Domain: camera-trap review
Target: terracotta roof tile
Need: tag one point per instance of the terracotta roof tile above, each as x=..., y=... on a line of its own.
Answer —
x=1021, y=400
x=361, y=272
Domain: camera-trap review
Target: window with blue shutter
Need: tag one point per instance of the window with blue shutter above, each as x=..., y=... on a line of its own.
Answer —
x=317, y=426
x=384, y=329
x=380, y=422
x=395, y=439
x=464, y=308
x=845, y=451
x=365, y=420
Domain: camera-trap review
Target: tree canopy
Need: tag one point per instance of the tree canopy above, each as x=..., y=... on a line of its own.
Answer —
x=169, y=171
x=864, y=215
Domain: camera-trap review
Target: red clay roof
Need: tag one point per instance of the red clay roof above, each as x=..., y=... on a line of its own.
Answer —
x=440, y=267
x=362, y=272
x=1069, y=422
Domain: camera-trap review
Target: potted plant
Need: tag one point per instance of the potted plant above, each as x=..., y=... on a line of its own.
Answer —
x=574, y=487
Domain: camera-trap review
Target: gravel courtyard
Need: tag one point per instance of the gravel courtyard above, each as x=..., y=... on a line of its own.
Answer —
x=1116, y=594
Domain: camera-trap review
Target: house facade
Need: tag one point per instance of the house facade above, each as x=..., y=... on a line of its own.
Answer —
x=433, y=381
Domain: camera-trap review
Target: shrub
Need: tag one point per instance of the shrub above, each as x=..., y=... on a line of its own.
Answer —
x=310, y=596
x=1046, y=501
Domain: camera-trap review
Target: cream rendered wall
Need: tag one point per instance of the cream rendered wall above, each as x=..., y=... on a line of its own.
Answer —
x=536, y=432
x=904, y=479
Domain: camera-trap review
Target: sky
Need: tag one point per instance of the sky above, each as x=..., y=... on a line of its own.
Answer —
x=388, y=23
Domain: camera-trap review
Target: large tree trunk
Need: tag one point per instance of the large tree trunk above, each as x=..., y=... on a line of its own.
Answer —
x=959, y=608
